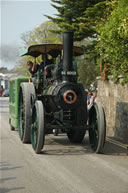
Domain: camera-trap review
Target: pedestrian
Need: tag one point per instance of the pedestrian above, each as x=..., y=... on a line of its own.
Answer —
x=95, y=96
x=90, y=100
x=1, y=91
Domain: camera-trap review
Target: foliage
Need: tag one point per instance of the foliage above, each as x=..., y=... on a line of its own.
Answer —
x=21, y=68
x=39, y=35
x=87, y=71
x=100, y=26
x=72, y=17
x=113, y=41
x=3, y=70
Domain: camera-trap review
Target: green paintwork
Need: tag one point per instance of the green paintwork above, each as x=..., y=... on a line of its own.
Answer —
x=14, y=89
x=34, y=128
x=24, y=52
x=21, y=117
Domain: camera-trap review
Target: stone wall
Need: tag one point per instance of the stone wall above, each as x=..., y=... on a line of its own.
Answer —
x=114, y=99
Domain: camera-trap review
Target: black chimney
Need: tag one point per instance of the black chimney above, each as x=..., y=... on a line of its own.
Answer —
x=67, y=55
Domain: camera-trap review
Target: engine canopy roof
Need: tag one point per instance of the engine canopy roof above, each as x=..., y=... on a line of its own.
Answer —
x=52, y=49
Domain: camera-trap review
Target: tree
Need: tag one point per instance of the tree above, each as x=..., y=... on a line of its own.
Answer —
x=72, y=17
x=41, y=35
x=113, y=40
x=87, y=71
x=4, y=70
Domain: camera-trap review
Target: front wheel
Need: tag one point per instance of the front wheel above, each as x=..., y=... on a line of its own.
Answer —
x=38, y=132
x=97, y=127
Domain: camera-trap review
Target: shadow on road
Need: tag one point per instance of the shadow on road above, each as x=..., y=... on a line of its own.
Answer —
x=4, y=166
x=6, y=190
x=60, y=145
x=7, y=179
x=113, y=149
x=10, y=168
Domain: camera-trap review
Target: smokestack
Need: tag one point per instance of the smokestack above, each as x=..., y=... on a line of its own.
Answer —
x=67, y=55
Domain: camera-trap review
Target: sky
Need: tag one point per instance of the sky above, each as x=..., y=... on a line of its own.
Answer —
x=18, y=17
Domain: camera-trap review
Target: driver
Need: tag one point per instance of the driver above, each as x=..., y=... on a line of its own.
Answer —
x=32, y=68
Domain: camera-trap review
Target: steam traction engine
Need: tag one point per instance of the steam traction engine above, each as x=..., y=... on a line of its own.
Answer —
x=58, y=103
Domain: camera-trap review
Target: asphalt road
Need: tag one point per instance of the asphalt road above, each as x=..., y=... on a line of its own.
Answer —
x=61, y=168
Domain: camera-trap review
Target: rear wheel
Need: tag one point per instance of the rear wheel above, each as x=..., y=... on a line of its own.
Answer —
x=27, y=93
x=97, y=127
x=12, y=128
x=38, y=130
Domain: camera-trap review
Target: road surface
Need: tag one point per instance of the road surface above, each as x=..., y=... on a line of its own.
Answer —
x=61, y=168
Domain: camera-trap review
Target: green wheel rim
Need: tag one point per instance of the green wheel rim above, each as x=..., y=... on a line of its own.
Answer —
x=34, y=128
x=37, y=129
x=21, y=118
x=97, y=127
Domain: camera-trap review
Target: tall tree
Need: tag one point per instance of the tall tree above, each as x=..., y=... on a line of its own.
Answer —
x=71, y=17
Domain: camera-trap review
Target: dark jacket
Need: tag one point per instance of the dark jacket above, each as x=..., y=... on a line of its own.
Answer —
x=33, y=73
